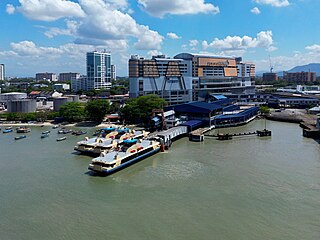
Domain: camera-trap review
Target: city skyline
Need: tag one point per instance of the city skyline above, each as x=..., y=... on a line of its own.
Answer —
x=54, y=36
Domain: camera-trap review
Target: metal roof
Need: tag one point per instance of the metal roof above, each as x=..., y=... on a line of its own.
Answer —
x=196, y=107
x=192, y=123
x=241, y=114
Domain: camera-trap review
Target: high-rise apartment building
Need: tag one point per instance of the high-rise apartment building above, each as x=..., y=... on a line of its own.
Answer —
x=98, y=70
x=46, y=77
x=2, y=72
x=300, y=77
x=64, y=77
x=113, y=72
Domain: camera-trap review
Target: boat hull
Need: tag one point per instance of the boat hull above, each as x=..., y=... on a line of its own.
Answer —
x=124, y=165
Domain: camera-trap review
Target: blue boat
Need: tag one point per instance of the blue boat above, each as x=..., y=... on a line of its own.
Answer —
x=20, y=137
x=7, y=131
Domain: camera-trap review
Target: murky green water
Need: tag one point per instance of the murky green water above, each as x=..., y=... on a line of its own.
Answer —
x=247, y=188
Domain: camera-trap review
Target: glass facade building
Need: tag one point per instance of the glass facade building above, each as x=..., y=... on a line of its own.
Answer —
x=98, y=70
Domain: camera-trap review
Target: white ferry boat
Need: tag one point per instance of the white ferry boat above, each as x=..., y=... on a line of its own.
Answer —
x=97, y=145
x=130, y=152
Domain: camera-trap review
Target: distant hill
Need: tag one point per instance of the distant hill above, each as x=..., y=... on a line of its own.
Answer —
x=312, y=67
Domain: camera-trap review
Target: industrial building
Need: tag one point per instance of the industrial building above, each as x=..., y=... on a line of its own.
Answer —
x=190, y=77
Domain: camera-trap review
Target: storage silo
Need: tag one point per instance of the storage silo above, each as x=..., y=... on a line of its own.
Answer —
x=22, y=105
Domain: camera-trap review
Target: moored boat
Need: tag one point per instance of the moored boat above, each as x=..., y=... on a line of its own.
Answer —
x=46, y=132
x=45, y=135
x=95, y=146
x=61, y=139
x=20, y=137
x=130, y=153
x=78, y=133
x=7, y=131
x=23, y=129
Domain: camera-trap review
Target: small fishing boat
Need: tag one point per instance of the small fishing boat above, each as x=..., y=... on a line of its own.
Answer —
x=7, y=131
x=78, y=133
x=45, y=135
x=64, y=131
x=61, y=139
x=20, y=137
x=45, y=132
x=55, y=126
x=23, y=130
x=8, y=128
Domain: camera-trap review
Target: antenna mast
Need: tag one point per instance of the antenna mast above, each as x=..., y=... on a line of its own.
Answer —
x=271, y=67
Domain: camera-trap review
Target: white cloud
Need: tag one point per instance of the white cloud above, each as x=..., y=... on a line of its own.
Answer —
x=67, y=57
x=29, y=48
x=10, y=9
x=160, y=8
x=48, y=10
x=274, y=3
x=297, y=58
x=313, y=48
x=105, y=20
x=105, y=24
x=255, y=10
x=173, y=35
x=234, y=43
x=193, y=43
x=154, y=53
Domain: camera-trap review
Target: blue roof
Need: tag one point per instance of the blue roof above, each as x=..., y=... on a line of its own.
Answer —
x=222, y=101
x=192, y=123
x=241, y=114
x=231, y=108
x=196, y=107
x=218, y=97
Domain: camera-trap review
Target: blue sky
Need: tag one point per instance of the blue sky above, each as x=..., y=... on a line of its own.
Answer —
x=54, y=35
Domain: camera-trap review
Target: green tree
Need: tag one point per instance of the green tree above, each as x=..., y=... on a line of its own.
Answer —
x=73, y=112
x=140, y=109
x=264, y=109
x=97, y=109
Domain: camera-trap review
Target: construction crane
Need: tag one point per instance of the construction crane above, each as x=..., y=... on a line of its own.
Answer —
x=271, y=67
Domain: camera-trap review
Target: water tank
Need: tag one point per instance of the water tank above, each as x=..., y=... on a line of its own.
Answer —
x=5, y=97
x=74, y=98
x=22, y=105
x=58, y=102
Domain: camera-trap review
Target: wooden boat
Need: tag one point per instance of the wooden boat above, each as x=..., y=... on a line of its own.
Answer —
x=23, y=130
